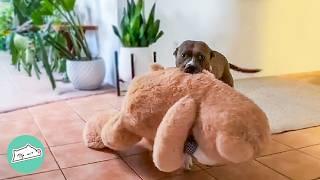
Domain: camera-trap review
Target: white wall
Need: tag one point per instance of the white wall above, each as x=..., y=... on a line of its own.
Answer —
x=103, y=13
x=279, y=36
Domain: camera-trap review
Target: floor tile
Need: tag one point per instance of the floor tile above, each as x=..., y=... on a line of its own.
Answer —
x=294, y=164
x=6, y=171
x=299, y=138
x=22, y=114
x=312, y=150
x=110, y=170
x=78, y=154
x=144, y=166
x=88, y=106
x=245, y=171
x=199, y=175
x=58, y=123
x=52, y=110
x=108, y=112
x=11, y=129
x=52, y=175
x=274, y=147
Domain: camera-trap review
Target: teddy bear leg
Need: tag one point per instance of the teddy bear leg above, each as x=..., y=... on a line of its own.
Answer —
x=234, y=149
x=115, y=135
x=92, y=129
x=172, y=133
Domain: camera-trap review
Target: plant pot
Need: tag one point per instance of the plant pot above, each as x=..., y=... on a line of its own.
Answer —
x=86, y=75
x=142, y=61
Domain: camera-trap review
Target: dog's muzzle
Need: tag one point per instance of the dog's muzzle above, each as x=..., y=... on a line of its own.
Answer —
x=192, y=67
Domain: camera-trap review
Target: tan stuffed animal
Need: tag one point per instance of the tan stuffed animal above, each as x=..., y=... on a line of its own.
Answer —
x=167, y=106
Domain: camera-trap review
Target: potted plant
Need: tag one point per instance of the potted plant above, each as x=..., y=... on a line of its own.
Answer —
x=28, y=48
x=136, y=33
x=84, y=71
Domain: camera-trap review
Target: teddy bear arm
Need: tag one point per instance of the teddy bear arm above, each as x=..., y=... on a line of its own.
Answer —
x=116, y=136
x=168, y=149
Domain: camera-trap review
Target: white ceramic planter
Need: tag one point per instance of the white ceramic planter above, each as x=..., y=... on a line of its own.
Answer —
x=142, y=61
x=86, y=75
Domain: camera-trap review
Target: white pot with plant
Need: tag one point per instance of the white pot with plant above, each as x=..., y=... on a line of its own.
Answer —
x=136, y=33
x=84, y=71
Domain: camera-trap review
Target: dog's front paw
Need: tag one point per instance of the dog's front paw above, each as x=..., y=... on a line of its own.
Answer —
x=187, y=163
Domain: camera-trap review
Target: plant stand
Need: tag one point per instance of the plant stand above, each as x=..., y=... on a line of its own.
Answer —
x=118, y=80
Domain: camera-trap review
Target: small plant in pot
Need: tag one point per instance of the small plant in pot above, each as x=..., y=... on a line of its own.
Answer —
x=136, y=33
x=84, y=71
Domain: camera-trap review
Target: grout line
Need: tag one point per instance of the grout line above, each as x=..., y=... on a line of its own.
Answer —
x=296, y=147
x=293, y=130
x=76, y=112
x=316, y=157
x=273, y=169
x=99, y=161
x=215, y=178
x=105, y=91
x=130, y=167
x=275, y=153
x=308, y=146
x=23, y=175
x=78, y=142
x=54, y=158
x=211, y=175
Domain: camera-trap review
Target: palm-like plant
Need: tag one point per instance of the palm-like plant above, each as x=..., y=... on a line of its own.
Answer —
x=135, y=29
x=72, y=27
x=37, y=34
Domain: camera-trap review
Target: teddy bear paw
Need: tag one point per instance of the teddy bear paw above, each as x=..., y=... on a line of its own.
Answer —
x=93, y=140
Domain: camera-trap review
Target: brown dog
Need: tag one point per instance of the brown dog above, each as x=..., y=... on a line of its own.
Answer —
x=194, y=56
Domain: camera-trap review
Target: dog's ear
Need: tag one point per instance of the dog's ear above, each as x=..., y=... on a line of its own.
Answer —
x=175, y=52
x=212, y=55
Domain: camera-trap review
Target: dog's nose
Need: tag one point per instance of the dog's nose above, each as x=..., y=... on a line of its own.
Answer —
x=190, y=69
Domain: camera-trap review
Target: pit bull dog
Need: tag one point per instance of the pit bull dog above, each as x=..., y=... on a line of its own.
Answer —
x=195, y=56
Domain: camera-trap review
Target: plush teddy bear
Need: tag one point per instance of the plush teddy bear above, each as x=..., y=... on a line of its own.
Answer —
x=168, y=106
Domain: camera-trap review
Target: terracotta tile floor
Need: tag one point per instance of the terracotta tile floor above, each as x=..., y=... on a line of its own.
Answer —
x=291, y=155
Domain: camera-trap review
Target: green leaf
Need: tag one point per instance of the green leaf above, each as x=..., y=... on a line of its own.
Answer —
x=21, y=42
x=158, y=36
x=135, y=25
x=155, y=29
x=138, y=8
x=142, y=31
x=37, y=18
x=132, y=10
x=151, y=16
x=116, y=31
x=126, y=40
x=68, y=5
x=44, y=59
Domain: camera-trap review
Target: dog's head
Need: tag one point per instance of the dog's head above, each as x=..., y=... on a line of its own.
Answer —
x=193, y=56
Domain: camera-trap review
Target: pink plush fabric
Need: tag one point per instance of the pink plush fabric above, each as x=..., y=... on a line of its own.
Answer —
x=167, y=105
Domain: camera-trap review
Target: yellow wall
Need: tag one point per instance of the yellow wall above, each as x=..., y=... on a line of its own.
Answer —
x=290, y=36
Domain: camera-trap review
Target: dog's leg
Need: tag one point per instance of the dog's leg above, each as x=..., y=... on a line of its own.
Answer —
x=226, y=76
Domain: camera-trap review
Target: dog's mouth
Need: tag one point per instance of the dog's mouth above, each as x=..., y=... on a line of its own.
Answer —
x=191, y=69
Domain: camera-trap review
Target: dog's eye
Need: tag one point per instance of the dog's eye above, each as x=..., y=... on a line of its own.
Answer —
x=183, y=55
x=201, y=57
